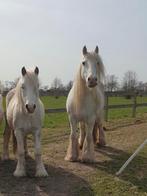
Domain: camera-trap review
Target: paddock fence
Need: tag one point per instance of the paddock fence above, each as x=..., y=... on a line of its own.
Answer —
x=121, y=108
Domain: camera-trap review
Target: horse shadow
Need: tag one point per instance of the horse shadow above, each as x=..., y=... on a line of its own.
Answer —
x=60, y=182
x=135, y=172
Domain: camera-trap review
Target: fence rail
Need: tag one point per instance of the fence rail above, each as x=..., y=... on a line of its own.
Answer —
x=107, y=107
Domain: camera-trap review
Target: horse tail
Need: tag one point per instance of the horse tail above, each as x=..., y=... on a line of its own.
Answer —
x=95, y=133
x=14, y=142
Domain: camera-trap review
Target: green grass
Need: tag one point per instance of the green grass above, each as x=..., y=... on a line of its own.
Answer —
x=59, y=119
x=52, y=102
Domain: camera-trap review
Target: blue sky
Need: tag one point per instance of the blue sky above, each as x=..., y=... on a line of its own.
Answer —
x=51, y=34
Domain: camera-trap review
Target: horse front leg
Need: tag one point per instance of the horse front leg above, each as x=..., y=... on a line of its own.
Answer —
x=20, y=168
x=73, y=148
x=88, y=147
x=40, y=169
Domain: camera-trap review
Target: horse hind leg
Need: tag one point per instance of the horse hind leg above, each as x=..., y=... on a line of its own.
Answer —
x=102, y=140
x=95, y=133
x=14, y=143
x=6, y=139
x=26, y=146
x=82, y=134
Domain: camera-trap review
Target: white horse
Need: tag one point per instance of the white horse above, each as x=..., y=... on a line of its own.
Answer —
x=25, y=113
x=1, y=108
x=85, y=105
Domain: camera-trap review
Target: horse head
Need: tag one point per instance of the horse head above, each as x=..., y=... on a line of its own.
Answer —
x=29, y=85
x=91, y=67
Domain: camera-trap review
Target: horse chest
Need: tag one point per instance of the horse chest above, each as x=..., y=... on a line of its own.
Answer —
x=87, y=110
x=27, y=123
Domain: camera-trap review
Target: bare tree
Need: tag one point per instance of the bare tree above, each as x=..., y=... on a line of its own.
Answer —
x=57, y=84
x=1, y=87
x=69, y=85
x=140, y=86
x=129, y=81
x=57, y=87
x=111, y=83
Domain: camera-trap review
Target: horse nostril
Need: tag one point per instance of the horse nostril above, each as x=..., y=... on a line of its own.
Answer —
x=34, y=106
x=27, y=106
x=88, y=78
x=96, y=79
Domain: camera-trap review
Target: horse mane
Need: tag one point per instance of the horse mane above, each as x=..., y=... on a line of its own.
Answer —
x=79, y=85
x=31, y=76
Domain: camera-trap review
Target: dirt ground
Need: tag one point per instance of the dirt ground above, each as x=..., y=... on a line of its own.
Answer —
x=67, y=178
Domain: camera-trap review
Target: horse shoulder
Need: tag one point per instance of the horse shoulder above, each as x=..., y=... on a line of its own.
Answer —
x=41, y=108
x=1, y=108
x=69, y=100
x=9, y=96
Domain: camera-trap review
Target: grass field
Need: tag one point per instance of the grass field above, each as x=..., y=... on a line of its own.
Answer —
x=61, y=120
x=57, y=120
x=78, y=179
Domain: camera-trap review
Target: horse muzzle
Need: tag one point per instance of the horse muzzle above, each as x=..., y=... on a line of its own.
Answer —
x=30, y=108
x=92, y=82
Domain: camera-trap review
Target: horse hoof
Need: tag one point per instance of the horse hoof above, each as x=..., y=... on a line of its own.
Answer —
x=101, y=144
x=41, y=173
x=71, y=159
x=87, y=160
x=19, y=173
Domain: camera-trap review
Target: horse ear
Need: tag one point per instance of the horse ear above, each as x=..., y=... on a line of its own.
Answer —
x=84, y=50
x=23, y=71
x=36, y=71
x=97, y=50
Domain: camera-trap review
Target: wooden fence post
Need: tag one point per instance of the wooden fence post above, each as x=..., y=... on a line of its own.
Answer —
x=134, y=105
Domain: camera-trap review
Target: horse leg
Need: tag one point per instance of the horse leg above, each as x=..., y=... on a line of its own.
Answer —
x=95, y=133
x=20, y=168
x=82, y=134
x=73, y=148
x=88, y=147
x=6, y=139
x=25, y=146
x=40, y=169
x=102, y=141
x=14, y=143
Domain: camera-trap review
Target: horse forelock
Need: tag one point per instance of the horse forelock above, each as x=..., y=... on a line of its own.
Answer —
x=32, y=78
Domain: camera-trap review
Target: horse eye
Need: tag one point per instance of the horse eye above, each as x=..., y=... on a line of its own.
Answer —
x=98, y=63
x=83, y=62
